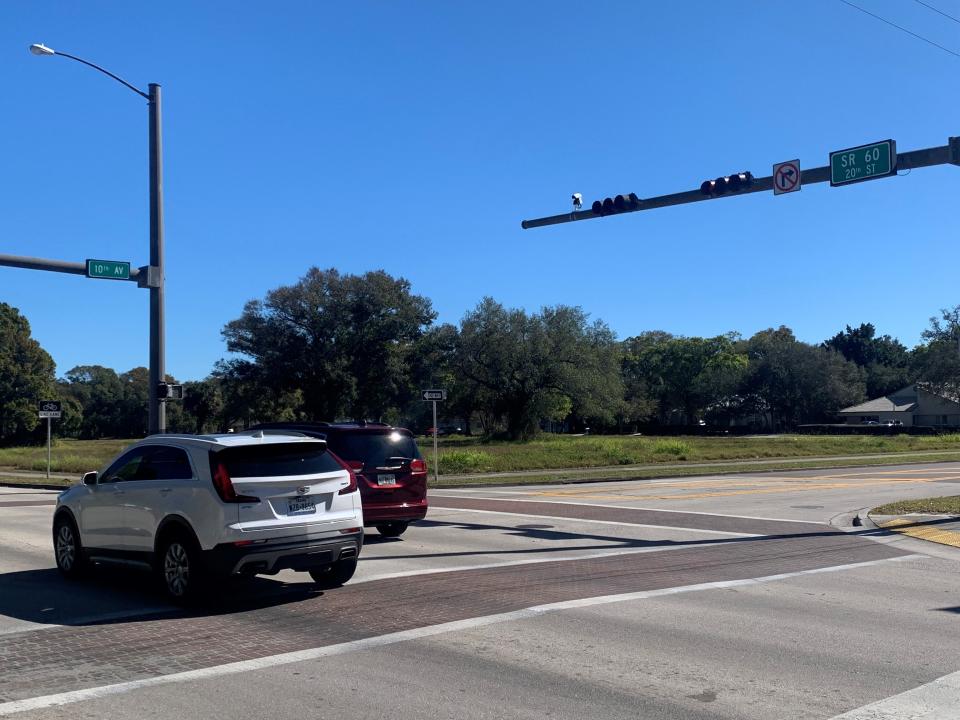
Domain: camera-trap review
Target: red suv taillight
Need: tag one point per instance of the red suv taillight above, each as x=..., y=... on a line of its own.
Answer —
x=224, y=485
x=418, y=467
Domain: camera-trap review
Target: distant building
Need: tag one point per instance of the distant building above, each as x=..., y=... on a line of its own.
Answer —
x=912, y=405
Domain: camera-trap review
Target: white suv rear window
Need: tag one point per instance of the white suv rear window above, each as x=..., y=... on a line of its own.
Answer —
x=276, y=460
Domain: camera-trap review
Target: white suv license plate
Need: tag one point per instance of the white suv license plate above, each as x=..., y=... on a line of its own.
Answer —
x=386, y=479
x=301, y=506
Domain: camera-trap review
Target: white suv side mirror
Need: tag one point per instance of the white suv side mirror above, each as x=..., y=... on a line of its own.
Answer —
x=89, y=478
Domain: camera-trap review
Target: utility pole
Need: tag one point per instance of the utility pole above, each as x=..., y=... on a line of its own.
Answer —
x=150, y=276
x=158, y=408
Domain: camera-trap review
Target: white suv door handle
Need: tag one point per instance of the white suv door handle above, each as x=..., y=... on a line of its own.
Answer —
x=166, y=490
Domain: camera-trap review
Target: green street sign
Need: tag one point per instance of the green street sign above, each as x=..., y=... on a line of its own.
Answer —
x=108, y=269
x=866, y=162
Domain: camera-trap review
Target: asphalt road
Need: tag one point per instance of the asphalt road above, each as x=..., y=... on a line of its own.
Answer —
x=711, y=597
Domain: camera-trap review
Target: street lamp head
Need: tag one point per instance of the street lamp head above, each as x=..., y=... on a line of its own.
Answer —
x=41, y=49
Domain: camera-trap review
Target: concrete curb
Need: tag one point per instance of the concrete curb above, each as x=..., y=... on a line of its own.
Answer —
x=34, y=486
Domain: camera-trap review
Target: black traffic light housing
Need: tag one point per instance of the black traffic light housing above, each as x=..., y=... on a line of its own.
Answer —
x=618, y=204
x=168, y=391
x=731, y=183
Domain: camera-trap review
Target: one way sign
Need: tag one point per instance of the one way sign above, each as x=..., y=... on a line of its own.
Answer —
x=786, y=177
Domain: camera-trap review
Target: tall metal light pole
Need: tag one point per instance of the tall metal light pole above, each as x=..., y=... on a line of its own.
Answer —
x=154, y=280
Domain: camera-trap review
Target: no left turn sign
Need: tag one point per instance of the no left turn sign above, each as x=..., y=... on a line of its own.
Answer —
x=786, y=177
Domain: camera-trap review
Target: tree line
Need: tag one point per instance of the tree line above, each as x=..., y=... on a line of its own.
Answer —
x=340, y=346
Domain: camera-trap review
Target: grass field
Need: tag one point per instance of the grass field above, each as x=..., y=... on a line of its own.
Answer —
x=68, y=456
x=467, y=455
x=934, y=506
x=463, y=456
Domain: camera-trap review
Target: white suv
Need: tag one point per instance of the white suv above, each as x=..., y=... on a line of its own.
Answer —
x=192, y=507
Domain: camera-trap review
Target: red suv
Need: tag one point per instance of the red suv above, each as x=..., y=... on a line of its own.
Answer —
x=390, y=470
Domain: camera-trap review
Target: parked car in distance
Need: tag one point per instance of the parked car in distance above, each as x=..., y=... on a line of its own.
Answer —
x=197, y=507
x=391, y=472
x=444, y=430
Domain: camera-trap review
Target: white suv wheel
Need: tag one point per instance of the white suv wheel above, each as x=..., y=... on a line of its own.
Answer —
x=66, y=547
x=176, y=569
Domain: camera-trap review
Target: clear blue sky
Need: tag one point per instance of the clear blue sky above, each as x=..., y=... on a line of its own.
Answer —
x=415, y=136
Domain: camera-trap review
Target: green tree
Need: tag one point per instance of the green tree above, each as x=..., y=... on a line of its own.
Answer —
x=26, y=376
x=885, y=360
x=936, y=362
x=343, y=342
x=522, y=368
x=249, y=397
x=133, y=413
x=100, y=392
x=433, y=365
x=202, y=405
x=685, y=376
x=796, y=382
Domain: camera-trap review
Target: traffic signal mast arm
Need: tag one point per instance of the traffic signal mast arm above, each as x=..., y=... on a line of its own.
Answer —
x=942, y=155
x=64, y=266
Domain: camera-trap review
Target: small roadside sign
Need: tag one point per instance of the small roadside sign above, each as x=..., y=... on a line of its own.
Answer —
x=433, y=394
x=786, y=177
x=50, y=408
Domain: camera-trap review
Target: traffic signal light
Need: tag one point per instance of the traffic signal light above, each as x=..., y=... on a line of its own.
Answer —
x=169, y=391
x=618, y=204
x=731, y=183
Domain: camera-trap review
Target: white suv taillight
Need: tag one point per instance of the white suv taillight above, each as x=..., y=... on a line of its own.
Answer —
x=224, y=485
x=352, y=467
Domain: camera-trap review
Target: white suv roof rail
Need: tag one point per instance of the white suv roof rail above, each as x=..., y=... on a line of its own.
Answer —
x=246, y=437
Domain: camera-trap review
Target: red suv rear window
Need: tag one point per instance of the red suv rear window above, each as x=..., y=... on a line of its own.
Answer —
x=374, y=449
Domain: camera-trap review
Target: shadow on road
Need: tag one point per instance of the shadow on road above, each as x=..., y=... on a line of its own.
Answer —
x=117, y=595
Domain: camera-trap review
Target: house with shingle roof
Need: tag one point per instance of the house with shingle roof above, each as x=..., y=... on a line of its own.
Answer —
x=912, y=405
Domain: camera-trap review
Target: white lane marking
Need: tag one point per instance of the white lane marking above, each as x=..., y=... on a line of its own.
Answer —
x=600, y=522
x=512, y=563
x=631, y=507
x=66, y=698
x=936, y=700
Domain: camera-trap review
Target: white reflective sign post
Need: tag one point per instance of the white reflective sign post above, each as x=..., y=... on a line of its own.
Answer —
x=49, y=409
x=433, y=396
